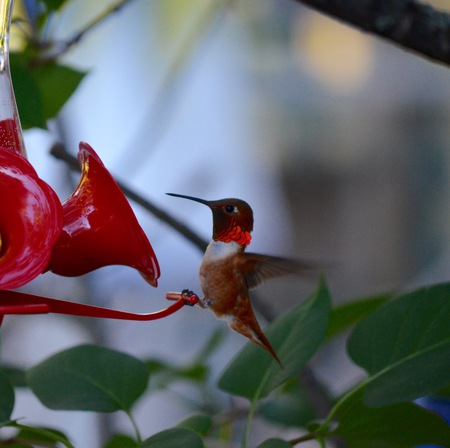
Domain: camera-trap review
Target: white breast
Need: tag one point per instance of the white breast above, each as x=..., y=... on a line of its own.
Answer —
x=219, y=249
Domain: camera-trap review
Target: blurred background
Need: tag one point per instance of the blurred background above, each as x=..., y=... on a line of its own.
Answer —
x=338, y=140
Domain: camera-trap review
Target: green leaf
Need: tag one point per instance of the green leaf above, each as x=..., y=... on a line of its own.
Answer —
x=195, y=372
x=405, y=347
x=7, y=398
x=275, y=443
x=397, y=425
x=295, y=336
x=121, y=441
x=53, y=5
x=173, y=438
x=28, y=95
x=41, y=436
x=289, y=406
x=445, y=392
x=155, y=366
x=7, y=423
x=163, y=374
x=89, y=378
x=41, y=91
x=16, y=375
x=199, y=423
x=344, y=316
x=56, y=85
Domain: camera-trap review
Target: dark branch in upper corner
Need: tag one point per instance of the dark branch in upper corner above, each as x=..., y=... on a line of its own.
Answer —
x=408, y=23
x=59, y=49
x=59, y=152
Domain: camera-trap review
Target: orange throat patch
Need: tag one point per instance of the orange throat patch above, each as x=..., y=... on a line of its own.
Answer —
x=235, y=234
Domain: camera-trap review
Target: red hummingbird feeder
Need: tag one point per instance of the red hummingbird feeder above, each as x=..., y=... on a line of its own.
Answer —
x=94, y=227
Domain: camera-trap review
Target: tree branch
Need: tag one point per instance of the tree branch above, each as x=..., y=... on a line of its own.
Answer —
x=407, y=23
x=59, y=49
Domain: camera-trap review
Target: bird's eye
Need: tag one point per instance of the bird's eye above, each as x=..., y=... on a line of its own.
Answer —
x=230, y=208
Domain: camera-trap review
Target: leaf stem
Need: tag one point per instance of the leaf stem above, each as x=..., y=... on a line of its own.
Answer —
x=363, y=384
x=304, y=438
x=322, y=429
x=135, y=427
x=248, y=423
x=252, y=409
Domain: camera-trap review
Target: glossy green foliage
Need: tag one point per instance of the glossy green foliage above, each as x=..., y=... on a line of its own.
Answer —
x=402, y=424
x=401, y=343
x=405, y=347
x=344, y=316
x=41, y=91
x=89, y=378
x=36, y=436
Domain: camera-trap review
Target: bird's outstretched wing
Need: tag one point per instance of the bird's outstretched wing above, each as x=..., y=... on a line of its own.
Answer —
x=257, y=268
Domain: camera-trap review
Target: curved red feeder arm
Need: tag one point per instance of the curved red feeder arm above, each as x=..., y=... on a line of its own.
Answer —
x=12, y=302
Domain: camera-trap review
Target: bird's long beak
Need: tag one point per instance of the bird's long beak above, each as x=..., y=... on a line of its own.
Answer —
x=202, y=201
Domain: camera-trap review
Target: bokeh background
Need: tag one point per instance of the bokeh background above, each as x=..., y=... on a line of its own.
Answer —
x=338, y=140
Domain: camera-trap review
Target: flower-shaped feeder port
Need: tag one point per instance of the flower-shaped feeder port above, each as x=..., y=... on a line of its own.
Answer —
x=100, y=228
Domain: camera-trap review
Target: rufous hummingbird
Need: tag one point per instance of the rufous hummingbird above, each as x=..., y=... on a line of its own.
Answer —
x=227, y=272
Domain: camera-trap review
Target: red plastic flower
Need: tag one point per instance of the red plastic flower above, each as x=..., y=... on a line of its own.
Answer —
x=100, y=227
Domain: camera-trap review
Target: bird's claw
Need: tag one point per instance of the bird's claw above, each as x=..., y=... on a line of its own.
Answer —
x=190, y=298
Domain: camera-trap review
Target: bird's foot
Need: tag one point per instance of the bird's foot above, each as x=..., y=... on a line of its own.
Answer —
x=204, y=303
x=190, y=298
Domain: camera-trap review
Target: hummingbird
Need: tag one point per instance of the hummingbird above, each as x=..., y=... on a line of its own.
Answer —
x=227, y=272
